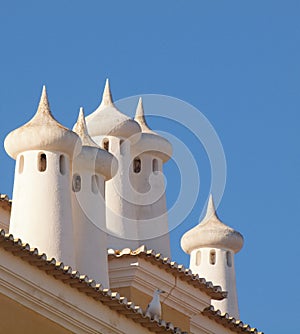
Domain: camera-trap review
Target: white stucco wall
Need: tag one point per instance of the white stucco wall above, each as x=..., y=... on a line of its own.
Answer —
x=219, y=273
x=151, y=209
x=120, y=204
x=89, y=223
x=41, y=212
x=136, y=210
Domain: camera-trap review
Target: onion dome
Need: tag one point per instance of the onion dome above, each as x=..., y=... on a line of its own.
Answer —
x=42, y=132
x=107, y=120
x=150, y=141
x=81, y=129
x=211, y=232
x=92, y=157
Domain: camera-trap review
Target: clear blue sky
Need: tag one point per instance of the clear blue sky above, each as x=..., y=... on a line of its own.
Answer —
x=236, y=61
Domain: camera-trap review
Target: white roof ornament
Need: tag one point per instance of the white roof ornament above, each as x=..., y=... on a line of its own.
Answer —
x=44, y=103
x=107, y=97
x=140, y=117
x=42, y=132
x=154, y=307
x=81, y=130
x=211, y=232
x=107, y=120
x=150, y=141
x=210, y=210
x=92, y=158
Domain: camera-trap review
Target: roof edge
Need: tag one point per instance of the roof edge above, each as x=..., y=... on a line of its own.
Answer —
x=227, y=321
x=82, y=283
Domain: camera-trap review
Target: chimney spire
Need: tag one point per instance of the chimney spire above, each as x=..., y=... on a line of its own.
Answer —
x=140, y=117
x=44, y=106
x=81, y=129
x=107, y=97
x=210, y=210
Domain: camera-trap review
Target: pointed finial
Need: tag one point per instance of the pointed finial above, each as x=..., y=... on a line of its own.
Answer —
x=81, y=118
x=140, y=117
x=80, y=126
x=106, y=97
x=44, y=103
x=211, y=210
x=81, y=129
x=140, y=110
x=211, y=232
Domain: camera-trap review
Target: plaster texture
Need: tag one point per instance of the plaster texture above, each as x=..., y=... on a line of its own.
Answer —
x=41, y=214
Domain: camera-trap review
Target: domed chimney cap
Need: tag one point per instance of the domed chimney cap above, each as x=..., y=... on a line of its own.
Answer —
x=107, y=120
x=150, y=141
x=92, y=157
x=81, y=130
x=42, y=132
x=211, y=232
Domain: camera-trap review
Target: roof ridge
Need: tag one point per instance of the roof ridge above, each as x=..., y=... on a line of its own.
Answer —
x=186, y=274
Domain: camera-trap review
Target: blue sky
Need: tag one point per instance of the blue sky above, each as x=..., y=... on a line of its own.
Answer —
x=238, y=62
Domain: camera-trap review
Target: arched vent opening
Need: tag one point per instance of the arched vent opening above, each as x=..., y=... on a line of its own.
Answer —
x=76, y=183
x=21, y=164
x=137, y=165
x=229, y=259
x=62, y=164
x=42, y=162
x=212, y=257
x=155, y=165
x=105, y=144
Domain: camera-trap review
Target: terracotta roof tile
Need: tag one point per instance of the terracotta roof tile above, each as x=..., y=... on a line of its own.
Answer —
x=227, y=321
x=82, y=283
x=178, y=270
x=5, y=202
